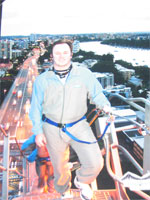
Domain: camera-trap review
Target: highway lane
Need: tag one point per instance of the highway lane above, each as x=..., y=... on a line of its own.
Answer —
x=14, y=112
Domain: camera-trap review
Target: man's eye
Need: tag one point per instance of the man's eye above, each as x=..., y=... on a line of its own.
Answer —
x=63, y=53
x=57, y=53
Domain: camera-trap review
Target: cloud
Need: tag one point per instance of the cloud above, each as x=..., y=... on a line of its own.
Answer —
x=69, y=16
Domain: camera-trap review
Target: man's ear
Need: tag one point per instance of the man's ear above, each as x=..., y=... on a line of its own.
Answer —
x=51, y=58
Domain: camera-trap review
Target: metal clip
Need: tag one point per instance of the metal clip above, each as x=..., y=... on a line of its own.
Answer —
x=111, y=118
x=61, y=125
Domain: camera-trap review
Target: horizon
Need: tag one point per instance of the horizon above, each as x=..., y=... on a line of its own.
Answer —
x=138, y=32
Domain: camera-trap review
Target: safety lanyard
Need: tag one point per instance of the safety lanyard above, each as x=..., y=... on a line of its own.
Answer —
x=82, y=141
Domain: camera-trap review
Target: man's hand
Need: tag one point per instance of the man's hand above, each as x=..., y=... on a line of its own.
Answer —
x=107, y=109
x=40, y=140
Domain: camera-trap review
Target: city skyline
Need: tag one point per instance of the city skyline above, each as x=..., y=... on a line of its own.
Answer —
x=66, y=17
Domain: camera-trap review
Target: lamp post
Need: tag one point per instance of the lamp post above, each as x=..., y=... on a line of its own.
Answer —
x=1, y=5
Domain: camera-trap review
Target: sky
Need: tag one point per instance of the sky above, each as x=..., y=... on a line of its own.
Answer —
x=25, y=17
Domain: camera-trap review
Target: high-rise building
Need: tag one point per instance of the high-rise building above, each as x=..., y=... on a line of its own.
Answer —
x=33, y=37
x=16, y=53
x=106, y=79
x=126, y=73
x=6, y=49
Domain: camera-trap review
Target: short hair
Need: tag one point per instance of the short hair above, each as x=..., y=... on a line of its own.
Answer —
x=63, y=41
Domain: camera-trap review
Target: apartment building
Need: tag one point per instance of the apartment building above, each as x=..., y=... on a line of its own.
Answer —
x=126, y=73
x=106, y=79
x=16, y=53
x=6, y=48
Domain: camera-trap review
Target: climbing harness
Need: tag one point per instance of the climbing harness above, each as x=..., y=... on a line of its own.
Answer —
x=65, y=126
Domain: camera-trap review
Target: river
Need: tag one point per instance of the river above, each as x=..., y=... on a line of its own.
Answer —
x=138, y=57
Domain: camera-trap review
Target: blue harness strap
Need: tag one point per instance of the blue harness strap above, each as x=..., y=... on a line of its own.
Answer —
x=59, y=125
x=65, y=126
x=82, y=141
x=43, y=158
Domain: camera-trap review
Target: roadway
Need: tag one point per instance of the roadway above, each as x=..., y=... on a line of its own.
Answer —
x=14, y=110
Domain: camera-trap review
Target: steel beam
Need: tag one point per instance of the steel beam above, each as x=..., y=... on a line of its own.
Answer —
x=5, y=181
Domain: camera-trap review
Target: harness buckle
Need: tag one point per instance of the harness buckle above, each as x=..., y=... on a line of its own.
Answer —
x=43, y=118
x=61, y=125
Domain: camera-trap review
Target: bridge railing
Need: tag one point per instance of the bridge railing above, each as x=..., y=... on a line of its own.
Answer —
x=112, y=147
x=134, y=103
x=5, y=167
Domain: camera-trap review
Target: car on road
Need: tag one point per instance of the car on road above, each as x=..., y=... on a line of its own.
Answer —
x=2, y=126
x=30, y=84
x=20, y=123
x=14, y=92
x=27, y=106
x=14, y=102
x=16, y=119
x=6, y=126
x=19, y=94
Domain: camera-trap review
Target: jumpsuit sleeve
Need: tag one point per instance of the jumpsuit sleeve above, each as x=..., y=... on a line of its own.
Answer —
x=96, y=95
x=35, y=113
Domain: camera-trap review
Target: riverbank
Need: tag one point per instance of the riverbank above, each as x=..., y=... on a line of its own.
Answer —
x=137, y=57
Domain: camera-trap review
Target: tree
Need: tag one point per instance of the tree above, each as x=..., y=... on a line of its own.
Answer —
x=108, y=57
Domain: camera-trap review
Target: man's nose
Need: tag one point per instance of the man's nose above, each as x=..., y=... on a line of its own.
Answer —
x=61, y=55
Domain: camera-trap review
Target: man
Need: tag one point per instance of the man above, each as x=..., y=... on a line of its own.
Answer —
x=59, y=100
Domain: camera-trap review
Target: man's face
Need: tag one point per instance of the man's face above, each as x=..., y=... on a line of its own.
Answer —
x=62, y=55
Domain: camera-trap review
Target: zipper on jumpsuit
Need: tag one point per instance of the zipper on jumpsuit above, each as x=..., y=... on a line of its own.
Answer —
x=63, y=102
x=62, y=109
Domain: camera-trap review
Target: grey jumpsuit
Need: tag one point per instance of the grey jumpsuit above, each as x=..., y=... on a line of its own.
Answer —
x=66, y=103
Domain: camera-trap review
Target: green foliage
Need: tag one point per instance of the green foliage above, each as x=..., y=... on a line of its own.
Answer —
x=4, y=84
x=103, y=66
x=46, y=55
x=20, y=59
x=144, y=74
x=141, y=43
x=84, y=53
x=43, y=57
x=107, y=57
x=124, y=64
x=105, y=63
x=13, y=72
